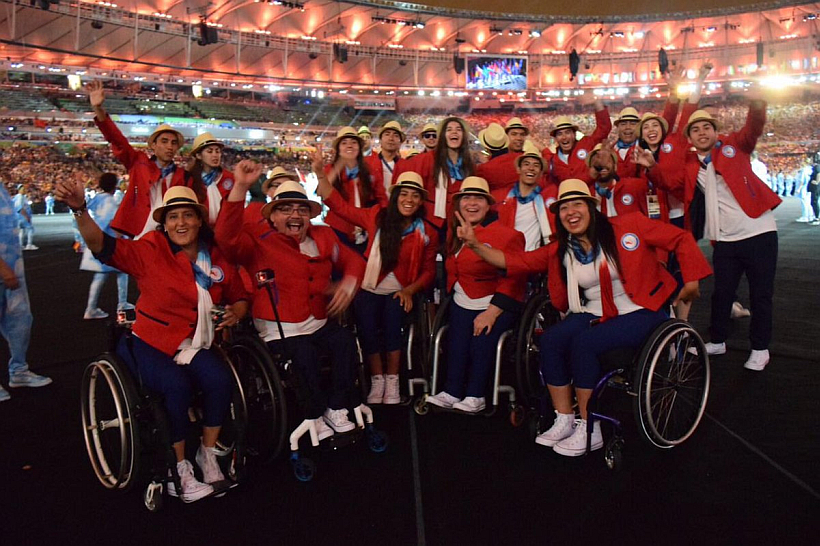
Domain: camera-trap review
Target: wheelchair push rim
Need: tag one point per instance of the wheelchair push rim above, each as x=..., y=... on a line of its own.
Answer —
x=537, y=317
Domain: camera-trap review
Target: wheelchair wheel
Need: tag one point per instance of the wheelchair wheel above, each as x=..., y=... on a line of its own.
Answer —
x=109, y=404
x=671, y=384
x=538, y=315
x=264, y=398
x=231, y=443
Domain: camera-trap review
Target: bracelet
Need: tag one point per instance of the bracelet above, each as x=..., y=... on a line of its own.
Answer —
x=76, y=213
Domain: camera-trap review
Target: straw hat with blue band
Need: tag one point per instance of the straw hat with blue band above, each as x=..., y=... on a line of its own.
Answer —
x=410, y=180
x=516, y=123
x=700, y=115
x=475, y=185
x=291, y=192
x=429, y=127
x=179, y=196
x=348, y=132
x=203, y=140
x=276, y=173
x=571, y=189
x=165, y=128
x=563, y=122
x=530, y=150
x=628, y=114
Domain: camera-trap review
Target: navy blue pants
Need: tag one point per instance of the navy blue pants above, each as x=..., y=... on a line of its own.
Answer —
x=470, y=359
x=379, y=319
x=339, y=345
x=177, y=383
x=757, y=258
x=570, y=349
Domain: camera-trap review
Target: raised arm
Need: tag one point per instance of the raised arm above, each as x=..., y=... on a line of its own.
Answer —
x=71, y=193
x=120, y=146
x=231, y=238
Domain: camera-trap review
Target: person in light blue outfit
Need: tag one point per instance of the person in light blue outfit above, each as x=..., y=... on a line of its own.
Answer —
x=49, y=204
x=102, y=208
x=22, y=209
x=15, y=312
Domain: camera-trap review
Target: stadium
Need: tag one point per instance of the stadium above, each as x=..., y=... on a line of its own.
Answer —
x=275, y=80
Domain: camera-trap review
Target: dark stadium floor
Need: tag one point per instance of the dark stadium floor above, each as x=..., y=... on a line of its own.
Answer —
x=749, y=475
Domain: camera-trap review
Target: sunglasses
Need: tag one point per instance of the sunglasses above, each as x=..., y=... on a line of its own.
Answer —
x=428, y=135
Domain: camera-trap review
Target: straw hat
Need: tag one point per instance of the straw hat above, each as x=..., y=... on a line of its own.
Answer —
x=529, y=151
x=275, y=174
x=179, y=196
x=562, y=122
x=475, y=185
x=700, y=115
x=349, y=132
x=570, y=189
x=649, y=115
x=628, y=114
x=364, y=130
x=409, y=179
x=429, y=127
x=203, y=140
x=493, y=137
x=291, y=192
x=516, y=123
x=598, y=148
x=165, y=128
x=395, y=126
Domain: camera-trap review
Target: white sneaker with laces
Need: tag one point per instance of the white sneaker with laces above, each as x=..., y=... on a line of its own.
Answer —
x=443, y=400
x=338, y=421
x=376, y=389
x=576, y=445
x=206, y=459
x=91, y=314
x=757, y=360
x=4, y=395
x=561, y=428
x=322, y=430
x=391, y=390
x=192, y=489
x=28, y=379
x=738, y=311
x=31, y=247
x=471, y=404
x=714, y=349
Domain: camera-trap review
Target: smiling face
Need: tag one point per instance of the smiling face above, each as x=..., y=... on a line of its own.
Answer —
x=628, y=131
x=291, y=219
x=182, y=226
x=454, y=135
x=211, y=156
x=529, y=171
x=473, y=208
x=575, y=216
x=390, y=141
x=166, y=146
x=652, y=132
x=409, y=202
x=703, y=136
x=516, y=139
x=429, y=139
x=565, y=139
x=348, y=148
x=602, y=167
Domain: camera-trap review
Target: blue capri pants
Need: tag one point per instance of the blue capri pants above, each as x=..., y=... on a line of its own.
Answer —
x=177, y=383
x=570, y=349
x=379, y=319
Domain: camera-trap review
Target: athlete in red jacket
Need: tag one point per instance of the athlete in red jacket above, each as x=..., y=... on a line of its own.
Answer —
x=569, y=159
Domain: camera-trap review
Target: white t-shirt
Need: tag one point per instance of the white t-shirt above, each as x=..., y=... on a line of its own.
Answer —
x=389, y=285
x=587, y=277
x=387, y=170
x=526, y=221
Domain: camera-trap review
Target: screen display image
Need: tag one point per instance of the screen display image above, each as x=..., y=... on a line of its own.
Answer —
x=501, y=73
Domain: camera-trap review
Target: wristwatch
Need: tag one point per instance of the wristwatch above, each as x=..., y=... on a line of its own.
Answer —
x=76, y=213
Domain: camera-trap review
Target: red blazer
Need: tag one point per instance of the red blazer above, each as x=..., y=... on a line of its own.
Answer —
x=629, y=195
x=480, y=279
x=576, y=166
x=301, y=281
x=374, y=163
x=167, y=306
x=143, y=173
x=506, y=205
x=422, y=165
x=499, y=172
x=417, y=254
x=378, y=196
x=646, y=281
x=731, y=157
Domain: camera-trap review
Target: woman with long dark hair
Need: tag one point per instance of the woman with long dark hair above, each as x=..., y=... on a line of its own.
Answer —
x=605, y=273
x=352, y=180
x=401, y=261
x=210, y=181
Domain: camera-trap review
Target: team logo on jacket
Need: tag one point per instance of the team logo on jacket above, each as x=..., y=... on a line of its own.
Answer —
x=627, y=199
x=581, y=154
x=216, y=274
x=227, y=184
x=630, y=241
x=666, y=148
x=729, y=151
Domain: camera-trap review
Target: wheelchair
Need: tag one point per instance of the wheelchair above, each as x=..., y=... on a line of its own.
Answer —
x=436, y=350
x=127, y=434
x=667, y=377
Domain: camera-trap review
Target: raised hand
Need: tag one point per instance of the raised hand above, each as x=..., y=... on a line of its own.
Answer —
x=96, y=93
x=246, y=173
x=704, y=71
x=643, y=157
x=317, y=159
x=465, y=231
x=70, y=192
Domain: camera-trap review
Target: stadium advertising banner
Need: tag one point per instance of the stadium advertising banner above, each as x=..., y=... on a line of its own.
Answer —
x=502, y=73
x=374, y=103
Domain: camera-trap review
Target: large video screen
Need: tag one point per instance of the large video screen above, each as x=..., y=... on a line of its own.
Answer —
x=499, y=73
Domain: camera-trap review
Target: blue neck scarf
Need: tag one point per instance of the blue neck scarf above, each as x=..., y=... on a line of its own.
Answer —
x=208, y=178
x=606, y=193
x=203, y=256
x=516, y=192
x=167, y=170
x=456, y=169
x=580, y=255
x=623, y=145
x=417, y=224
x=352, y=173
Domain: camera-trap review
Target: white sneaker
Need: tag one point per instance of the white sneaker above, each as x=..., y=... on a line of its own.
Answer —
x=376, y=389
x=471, y=404
x=206, y=459
x=91, y=314
x=338, y=421
x=738, y=311
x=322, y=430
x=561, y=428
x=31, y=247
x=714, y=349
x=4, y=395
x=576, y=445
x=28, y=379
x=803, y=220
x=757, y=360
x=391, y=389
x=192, y=489
x=443, y=400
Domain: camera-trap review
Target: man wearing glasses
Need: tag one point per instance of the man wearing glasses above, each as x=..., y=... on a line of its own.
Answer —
x=302, y=257
x=429, y=136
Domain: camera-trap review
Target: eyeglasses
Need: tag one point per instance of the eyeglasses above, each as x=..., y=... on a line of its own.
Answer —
x=428, y=135
x=287, y=210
